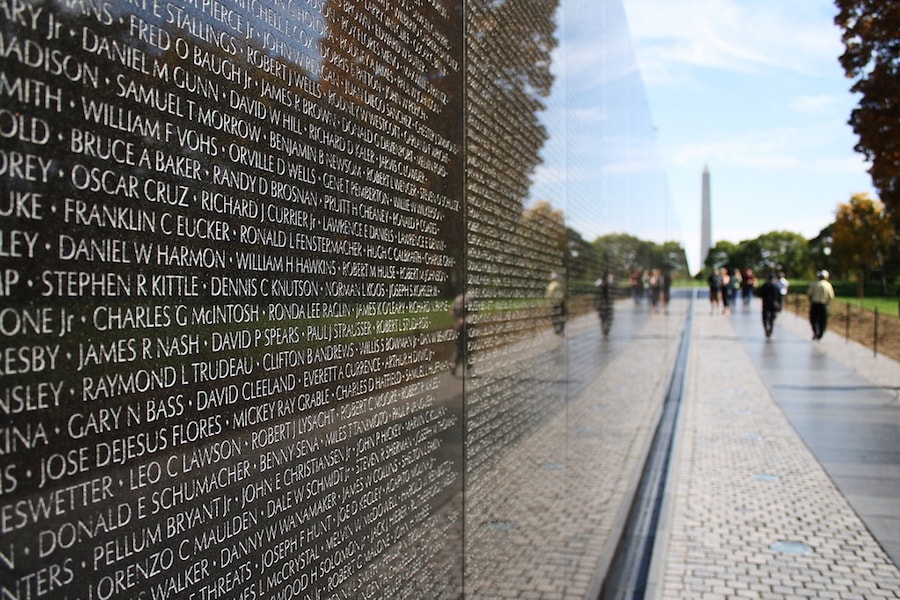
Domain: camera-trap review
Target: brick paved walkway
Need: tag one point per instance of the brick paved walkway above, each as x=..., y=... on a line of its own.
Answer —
x=751, y=512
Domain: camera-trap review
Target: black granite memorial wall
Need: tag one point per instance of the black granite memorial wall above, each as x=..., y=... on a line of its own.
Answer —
x=274, y=305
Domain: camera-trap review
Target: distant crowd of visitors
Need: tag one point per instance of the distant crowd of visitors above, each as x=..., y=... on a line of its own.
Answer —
x=726, y=285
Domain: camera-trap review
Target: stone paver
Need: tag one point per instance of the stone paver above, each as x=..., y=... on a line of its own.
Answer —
x=877, y=368
x=750, y=511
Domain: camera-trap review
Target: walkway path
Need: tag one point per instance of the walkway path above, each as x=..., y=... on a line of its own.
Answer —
x=786, y=478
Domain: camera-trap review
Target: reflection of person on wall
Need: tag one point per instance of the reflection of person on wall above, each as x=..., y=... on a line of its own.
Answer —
x=556, y=294
x=655, y=286
x=666, y=290
x=460, y=312
x=820, y=294
x=603, y=301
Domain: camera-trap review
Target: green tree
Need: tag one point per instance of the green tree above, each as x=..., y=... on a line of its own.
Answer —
x=720, y=255
x=862, y=237
x=777, y=250
x=783, y=250
x=622, y=253
x=871, y=35
x=821, y=251
x=673, y=257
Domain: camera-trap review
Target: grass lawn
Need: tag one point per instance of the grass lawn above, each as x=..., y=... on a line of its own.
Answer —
x=886, y=305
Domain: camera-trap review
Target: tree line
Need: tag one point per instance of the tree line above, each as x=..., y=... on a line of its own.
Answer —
x=860, y=245
x=621, y=254
x=584, y=261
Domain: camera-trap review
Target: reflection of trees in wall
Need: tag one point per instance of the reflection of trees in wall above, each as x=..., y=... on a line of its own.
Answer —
x=543, y=230
x=508, y=74
x=581, y=263
x=623, y=253
x=511, y=252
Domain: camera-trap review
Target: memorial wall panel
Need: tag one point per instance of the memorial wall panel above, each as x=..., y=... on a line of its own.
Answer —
x=282, y=314
x=228, y=233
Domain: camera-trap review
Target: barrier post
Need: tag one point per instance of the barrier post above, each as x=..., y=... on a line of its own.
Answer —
x=847, y=324
x=875, y=335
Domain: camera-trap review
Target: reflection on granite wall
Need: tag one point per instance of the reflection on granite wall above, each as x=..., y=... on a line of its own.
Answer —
x=513, y=255
x=278, y=318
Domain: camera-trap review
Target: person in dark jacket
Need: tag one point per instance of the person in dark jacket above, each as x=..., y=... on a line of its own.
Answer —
x=715, y=289
x=771, y=297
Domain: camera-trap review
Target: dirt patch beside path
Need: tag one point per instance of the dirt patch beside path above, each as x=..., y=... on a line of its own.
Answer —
x=857, y=324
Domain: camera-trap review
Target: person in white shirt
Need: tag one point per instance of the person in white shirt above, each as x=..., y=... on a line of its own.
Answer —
x=783, y=283
x=820, y=293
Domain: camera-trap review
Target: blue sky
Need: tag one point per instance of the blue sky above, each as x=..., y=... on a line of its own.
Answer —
x=751, y=88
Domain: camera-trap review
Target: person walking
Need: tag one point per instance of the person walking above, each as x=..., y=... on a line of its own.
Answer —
x=636, y=282
x=820, y=293
x=748, y=284
x=666, y=290
x=655, y=286
x=783, y=283
x=715, y=288
x=726, y=291
x=737, y=280
x=771, y=302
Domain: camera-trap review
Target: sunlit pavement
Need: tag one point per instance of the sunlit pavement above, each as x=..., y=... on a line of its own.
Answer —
x=785, y=482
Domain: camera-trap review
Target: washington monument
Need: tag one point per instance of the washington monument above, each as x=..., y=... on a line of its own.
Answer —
x=705, y=220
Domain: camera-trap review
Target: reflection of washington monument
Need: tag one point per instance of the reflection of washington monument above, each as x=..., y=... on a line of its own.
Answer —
x=705, y=220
